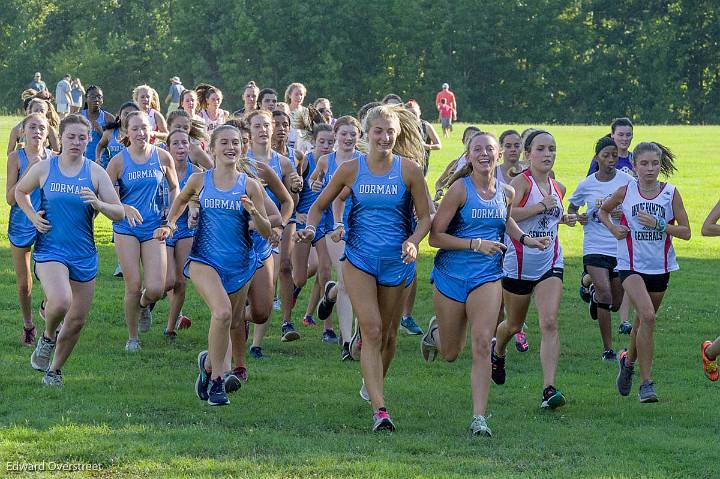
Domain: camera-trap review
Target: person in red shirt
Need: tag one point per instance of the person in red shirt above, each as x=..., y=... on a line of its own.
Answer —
x=449, y=99
x=446, y=116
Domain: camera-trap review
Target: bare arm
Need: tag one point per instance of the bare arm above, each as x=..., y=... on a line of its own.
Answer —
x=292, y=181
x=170, y=175
x=200, y=158
x=53, y=139
x=102, y=144
x=344, y=176
x=522, y=187
x=13, y=173
x=709, y=227
x=434, y=139
x=192, y=188
x=418, y=190
x=34, y=178
x=618, y=231
x=13, y=139
x=287, y=205
x=106, y=201
x=255, y=205
x=440, y=183
x=451, y=203
x=681, y=228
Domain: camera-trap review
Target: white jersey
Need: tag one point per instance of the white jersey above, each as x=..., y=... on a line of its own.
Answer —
x=462, y=161
x=592, y=192
x=646, y=250
x=530, y=264
x=212, y=124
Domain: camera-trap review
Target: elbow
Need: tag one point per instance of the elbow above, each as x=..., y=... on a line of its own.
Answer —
x=706, y=230
x=433, y=240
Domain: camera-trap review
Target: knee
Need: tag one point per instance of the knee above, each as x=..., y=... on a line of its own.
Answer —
x=58, y=305
x=450, y=354
x=153, y=293
x=222, y=315
x=74, y=324
x=324, y=273
x=132, y=286
x=603, y=295
x=548, y=325
x=647, y=317
x=481, y=346
x=285, y=267
x=260, y=313
x=371, y=333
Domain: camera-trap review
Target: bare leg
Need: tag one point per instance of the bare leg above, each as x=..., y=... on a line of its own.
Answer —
x=23, y=280
x=82, y=296
x=547, y=302
x=646, y=304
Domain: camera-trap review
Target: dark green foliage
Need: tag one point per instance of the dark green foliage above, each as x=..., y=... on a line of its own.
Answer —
x=567, y=61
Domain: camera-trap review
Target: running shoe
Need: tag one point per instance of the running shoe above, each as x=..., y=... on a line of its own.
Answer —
x=625, y=374
x=356, y=343
x=521, y=343
x=217, y=395
x=257, y=353
x=710, y=367
x=171, y=336
x=325, y=306
x=241, y=373
x=182, y=322
x=41, y=310
x=592, y=304
x=288, y=332
x=364, y=393
x=584, y=293
x=625, y=327
x=330, y=337
x=203, y=379
x=53, y=378
x=28, y=337
x=479, y=427
x=232, y=382
x=345, y=353
x=296, y=293
x=382, y=421
x=609, y=355
x=132, y=345
x=428, y=347
x=498, y=365
x=552, y=398
x=276, y=304
x=41, y=356
x=647, y=392
x=118, y=272
x=308, y=321
x=408, y=324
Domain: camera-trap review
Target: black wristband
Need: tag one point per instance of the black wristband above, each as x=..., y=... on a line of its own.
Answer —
x=522, y=238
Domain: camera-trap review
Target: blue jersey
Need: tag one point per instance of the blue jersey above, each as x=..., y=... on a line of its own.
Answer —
x=624, y=163
x=113, y=148
x=478, y=218
x=182, y=223
x=94, y=135
x=71, y=219
x=21, y=231
x=274, y=163
x=332, y=167
x=380, y=218
x=307, y=196
x=222, y=239
x=141, y=186
x=291, y=156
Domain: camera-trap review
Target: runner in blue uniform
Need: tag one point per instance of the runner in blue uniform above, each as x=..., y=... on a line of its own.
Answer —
x=139, y=172
x=113, y=138
x=73, y=189
x=381, y=247
x=97, y=117
x=21, y=231
x=469, y=229
x=223, y=259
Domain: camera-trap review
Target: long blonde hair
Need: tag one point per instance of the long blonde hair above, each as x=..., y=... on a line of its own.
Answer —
x=154, y=97
x=243, y=162
x=409, y=142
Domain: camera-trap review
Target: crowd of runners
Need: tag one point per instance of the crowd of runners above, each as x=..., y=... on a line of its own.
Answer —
x=251, y=205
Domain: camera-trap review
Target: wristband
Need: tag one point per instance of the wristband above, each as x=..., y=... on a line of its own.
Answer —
x=311, y=228
x=661, y=225
x=338, y=225
x=522, y=238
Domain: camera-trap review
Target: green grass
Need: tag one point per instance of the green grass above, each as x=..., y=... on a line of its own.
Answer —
x=300, y=414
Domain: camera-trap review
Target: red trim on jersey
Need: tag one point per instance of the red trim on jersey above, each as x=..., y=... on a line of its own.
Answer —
x=556, y=251
x=557, y=188
x=668, y=245
x=518, y=255
x=662, y=188
x=628, y=240
x=525, y=198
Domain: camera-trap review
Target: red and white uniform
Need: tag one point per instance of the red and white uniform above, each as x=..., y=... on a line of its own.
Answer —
x=646, y=250
x=212, y=124
x=530, y=264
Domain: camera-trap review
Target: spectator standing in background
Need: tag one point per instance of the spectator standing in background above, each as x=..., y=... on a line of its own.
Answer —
x=63, y=98
x=173, y=96
x=77, y=92
x=446, y=115
x=37, y=84
x=449, y=99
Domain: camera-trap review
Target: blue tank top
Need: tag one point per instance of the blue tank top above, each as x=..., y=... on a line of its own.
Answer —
x=18, y=222
x=141, y=186
x=71, y=235
x=380, y=219
x=331, y=169
x=182, y=222
x=478, y=218
x=274, y=163
x=94, y=135
x=222, y=238
x=307, y=196
x=291, y=156
x=113, y=148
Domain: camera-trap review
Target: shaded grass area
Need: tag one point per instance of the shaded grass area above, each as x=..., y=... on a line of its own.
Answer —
x=300, y=414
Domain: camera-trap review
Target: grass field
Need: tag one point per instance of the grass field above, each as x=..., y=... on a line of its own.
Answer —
x=300, y=414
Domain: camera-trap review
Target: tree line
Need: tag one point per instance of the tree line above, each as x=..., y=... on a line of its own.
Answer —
x=556, y=61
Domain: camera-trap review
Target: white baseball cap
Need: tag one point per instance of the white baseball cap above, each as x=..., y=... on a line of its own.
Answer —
x=445, y=85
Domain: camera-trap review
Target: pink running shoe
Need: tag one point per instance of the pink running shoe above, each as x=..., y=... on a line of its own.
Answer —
x=521, y=342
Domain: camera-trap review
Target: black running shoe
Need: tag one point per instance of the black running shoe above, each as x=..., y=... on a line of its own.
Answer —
x=325, y=307
x=498, y=366
x=257, y=353
x=345, y=353
x=289, y=333
x=592, y=304
x=217, y=395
